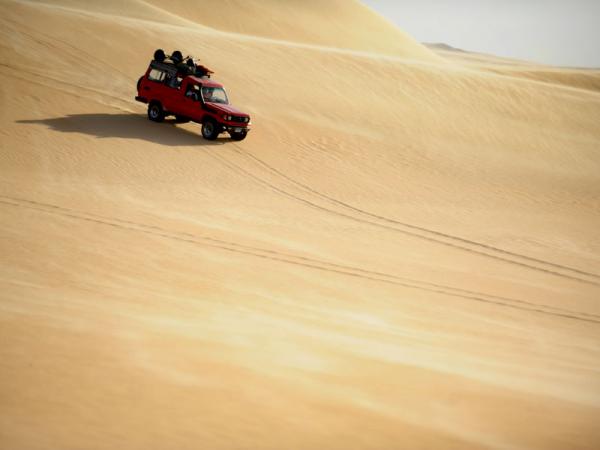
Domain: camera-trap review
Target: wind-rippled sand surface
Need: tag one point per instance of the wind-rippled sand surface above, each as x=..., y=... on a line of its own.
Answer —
x=403, y=254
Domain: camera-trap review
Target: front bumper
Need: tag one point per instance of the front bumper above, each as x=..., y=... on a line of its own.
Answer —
x=235, y=129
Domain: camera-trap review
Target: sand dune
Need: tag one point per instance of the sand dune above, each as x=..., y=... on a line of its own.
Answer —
x=577, y=78
x=404, y=253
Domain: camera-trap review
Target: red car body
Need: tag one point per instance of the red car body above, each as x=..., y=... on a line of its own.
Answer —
x=190, y=98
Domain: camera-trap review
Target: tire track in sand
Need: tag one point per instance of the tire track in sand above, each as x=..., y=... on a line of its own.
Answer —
x=354, y=213
x=297, y=260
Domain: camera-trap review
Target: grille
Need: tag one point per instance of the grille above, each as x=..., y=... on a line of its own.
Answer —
x=238, y=119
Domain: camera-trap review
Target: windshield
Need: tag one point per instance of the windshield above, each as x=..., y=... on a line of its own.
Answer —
x=214, y=95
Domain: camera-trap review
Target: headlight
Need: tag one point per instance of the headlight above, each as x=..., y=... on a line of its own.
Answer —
x=247, y=119
x=226, y=117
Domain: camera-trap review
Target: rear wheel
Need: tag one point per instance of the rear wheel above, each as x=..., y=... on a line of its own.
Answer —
x=156, y=112
x=238, y=136
x=210, y=129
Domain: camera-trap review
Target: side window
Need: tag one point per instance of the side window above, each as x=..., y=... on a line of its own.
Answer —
x=156, y=75
x=192, y=92
x=174, y=82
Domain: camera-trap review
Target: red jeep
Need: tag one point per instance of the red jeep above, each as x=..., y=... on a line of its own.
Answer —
x=172, y=86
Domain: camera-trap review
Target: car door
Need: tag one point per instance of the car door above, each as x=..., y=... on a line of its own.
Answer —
x=191, y=102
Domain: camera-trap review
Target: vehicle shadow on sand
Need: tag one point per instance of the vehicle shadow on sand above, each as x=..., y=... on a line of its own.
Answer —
x=128, y=126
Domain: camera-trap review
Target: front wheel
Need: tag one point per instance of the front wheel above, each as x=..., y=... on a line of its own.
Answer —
x=156, y=112
x=210, y=130
x=239, y=135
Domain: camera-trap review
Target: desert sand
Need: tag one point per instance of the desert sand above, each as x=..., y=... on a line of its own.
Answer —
x=403, y=254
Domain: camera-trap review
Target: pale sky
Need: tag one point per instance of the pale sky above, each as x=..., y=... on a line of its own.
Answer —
x=556, y=32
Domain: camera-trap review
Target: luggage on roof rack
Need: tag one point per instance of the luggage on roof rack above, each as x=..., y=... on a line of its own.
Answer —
x=176, y=64
x=159, y=55
x=170, y=69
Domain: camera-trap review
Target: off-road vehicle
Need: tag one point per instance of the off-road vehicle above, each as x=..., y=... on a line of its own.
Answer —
x=180, y=87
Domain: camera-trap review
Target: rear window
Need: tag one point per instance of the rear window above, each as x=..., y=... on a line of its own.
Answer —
x=156, y=75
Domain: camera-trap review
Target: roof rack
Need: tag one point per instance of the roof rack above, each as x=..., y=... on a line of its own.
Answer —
x=175, y=64
x=165, y=67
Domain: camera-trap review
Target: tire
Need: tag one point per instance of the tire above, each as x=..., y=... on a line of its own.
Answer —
x=155, y=112
x=159, y=55
x=176, y=57
x=181, y=119
x=210, y=129
x=238, y=136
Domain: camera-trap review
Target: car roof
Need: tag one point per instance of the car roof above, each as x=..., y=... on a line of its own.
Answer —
x=204, y=81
